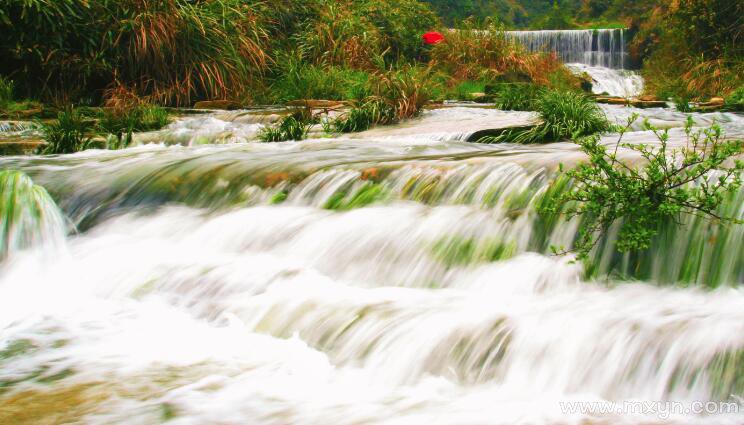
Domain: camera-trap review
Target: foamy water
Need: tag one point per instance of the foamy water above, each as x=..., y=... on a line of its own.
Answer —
x=193, y=293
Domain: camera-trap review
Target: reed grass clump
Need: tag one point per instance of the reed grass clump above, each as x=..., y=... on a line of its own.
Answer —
x=564, y=115
x=69, y=133
x=291, y=127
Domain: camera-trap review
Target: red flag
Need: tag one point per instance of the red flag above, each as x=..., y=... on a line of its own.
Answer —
x=433, y=37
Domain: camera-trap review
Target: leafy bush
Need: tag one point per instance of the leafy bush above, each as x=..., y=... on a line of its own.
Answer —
x=473, y=52
x=692, y=179
x=70, y=133
x=291, y=127
x=406, y=90
x=564, y=114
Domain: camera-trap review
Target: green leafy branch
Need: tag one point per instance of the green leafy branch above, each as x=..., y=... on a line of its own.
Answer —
x=669, y=183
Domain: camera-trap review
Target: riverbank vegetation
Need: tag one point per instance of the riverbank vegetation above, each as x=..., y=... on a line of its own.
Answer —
x=176, y=52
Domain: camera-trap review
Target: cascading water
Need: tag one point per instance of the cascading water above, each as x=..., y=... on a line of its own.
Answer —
x=600, y=53
x=601, y=47
x=397, y=276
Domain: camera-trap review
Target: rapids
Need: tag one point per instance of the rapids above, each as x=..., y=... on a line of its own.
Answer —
x=396, y=276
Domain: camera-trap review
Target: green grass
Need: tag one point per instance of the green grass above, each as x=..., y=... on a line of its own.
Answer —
x=362, y=117
x=516, y=96
x=70, y=133
x=291, y=127
x=305, y=81
x=564, y=114
x=465, y=89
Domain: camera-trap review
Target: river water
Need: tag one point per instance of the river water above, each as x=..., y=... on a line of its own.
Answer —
x=397, y=276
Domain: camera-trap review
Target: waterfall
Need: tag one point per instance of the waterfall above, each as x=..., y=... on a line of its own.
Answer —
x=599, y=53
x=601, y=47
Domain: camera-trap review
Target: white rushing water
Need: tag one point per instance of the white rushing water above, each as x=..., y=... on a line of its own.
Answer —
x=211, y=284
x=600, y=53
x=613, y=82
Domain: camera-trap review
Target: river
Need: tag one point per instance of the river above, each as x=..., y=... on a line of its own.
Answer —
x=206, y=281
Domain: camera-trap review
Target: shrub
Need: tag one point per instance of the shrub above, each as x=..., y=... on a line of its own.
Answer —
x=68, y=134
x=397, y=94
x=693, y=179
x=564, y=114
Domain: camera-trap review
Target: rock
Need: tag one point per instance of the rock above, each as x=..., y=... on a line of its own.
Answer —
x=640, y=103
x=478, y=97
x=217, y=104
x=648, y=98
x=713, y=105
x=613, y=100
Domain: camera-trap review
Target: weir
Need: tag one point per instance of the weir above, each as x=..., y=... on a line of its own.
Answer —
x=600, y=53
x=599, y=47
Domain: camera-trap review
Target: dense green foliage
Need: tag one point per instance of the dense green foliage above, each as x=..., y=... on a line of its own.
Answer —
x=672, y=181
x=693, y=49
x=175, y=51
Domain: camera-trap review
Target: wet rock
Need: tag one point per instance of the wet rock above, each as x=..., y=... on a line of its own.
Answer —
x=638, y=103
x=714, y=104
x=217, y=104
x=613, y=100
